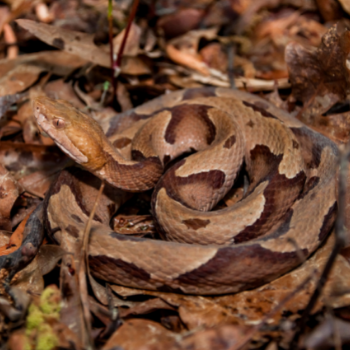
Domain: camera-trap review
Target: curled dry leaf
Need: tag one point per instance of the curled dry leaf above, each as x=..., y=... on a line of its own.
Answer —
x=330, y=9
x=345, y=4
x=326, y=334
x=334, y=126
x=148, y=335
x=132, y=45
x=138, y=333
x=320, y=77
x=16, y=238
x=184, y=49
x=56, y=62
x=77, y=43
x=19, y=78
x=59, y=89
x=180, y=22
x=8, y=194
x=8, y=100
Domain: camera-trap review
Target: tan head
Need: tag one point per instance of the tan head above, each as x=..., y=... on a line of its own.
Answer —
x=77, y=134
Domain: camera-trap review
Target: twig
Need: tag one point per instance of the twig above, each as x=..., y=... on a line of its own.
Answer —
x=84, y=264
x=116, y=64
x=340, y=239
x=230, y=70
x=127, y=29
x=111, y=48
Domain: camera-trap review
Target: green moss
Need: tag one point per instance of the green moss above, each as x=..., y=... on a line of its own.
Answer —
x=35, y=317
x=46, y=339
x=27, y=345
x=50, y=301
x=39, y=332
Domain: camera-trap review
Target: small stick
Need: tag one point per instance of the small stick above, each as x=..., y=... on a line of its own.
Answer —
x=122, y=45
x=111, y=48
x=84, y=264
x=116, y=64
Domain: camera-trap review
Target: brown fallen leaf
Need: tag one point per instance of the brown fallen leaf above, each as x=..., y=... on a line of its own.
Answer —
x=9, y=191
x=56, y=62
x=138, y=333
x=320, y=77
x=180, y=22
x=19, y=78
x=16, y=238
x=77, y=43
x=132, y=45
x=345, y=4
x=332, y=332
x=329, y=9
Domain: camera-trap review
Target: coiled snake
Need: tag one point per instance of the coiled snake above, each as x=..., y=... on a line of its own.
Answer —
x=289, y=204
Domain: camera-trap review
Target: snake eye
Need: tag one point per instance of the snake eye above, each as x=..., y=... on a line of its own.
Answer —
x=58, y=123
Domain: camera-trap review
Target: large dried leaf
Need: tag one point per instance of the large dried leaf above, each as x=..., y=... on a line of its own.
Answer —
x=320, y=77
x=77, y=43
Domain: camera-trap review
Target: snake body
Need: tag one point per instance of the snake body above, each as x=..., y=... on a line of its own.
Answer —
x=286, y=211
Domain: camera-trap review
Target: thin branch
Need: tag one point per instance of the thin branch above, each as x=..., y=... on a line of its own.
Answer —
x=116, y=63
x=122, y=45
x=111, y=48
x=83, y=267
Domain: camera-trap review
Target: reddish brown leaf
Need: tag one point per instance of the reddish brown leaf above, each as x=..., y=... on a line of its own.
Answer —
x=320, y=77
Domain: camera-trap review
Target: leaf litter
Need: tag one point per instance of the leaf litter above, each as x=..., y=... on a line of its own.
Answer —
x=293, y=53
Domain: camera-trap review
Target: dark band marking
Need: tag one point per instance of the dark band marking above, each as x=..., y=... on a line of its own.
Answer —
x=250, y=123
x=328, y=222
x=312, y=145
x=149, y=171
x=122, y=142
x=178, y=113
x=73, y=231
x=279, y=191
x=72, y=178
x=166, y=159
x=261, y=104
x=230, y=141
x=103, y=267
x=137, y=155
x=309, y=185
x=257, y=108
x=238, y=265
x=198, y=92
x=195, y=223
x=213, y=179
x=295, y=144
x=76, y=218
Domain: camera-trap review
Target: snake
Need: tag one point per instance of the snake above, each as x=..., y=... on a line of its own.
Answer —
x=191, y=147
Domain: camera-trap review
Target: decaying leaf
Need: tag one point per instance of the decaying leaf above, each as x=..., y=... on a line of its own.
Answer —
x=320, y=77
x=9, y=192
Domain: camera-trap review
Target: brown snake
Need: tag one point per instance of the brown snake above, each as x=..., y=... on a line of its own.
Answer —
x=287, y=210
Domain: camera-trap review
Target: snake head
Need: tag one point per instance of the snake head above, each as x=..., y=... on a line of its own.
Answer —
x=77, y=134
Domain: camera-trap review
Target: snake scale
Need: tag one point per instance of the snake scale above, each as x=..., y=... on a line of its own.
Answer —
x=287, y=208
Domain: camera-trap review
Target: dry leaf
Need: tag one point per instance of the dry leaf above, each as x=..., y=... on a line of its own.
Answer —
x=9, y=192
x=76, y=43
x=320, y=77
